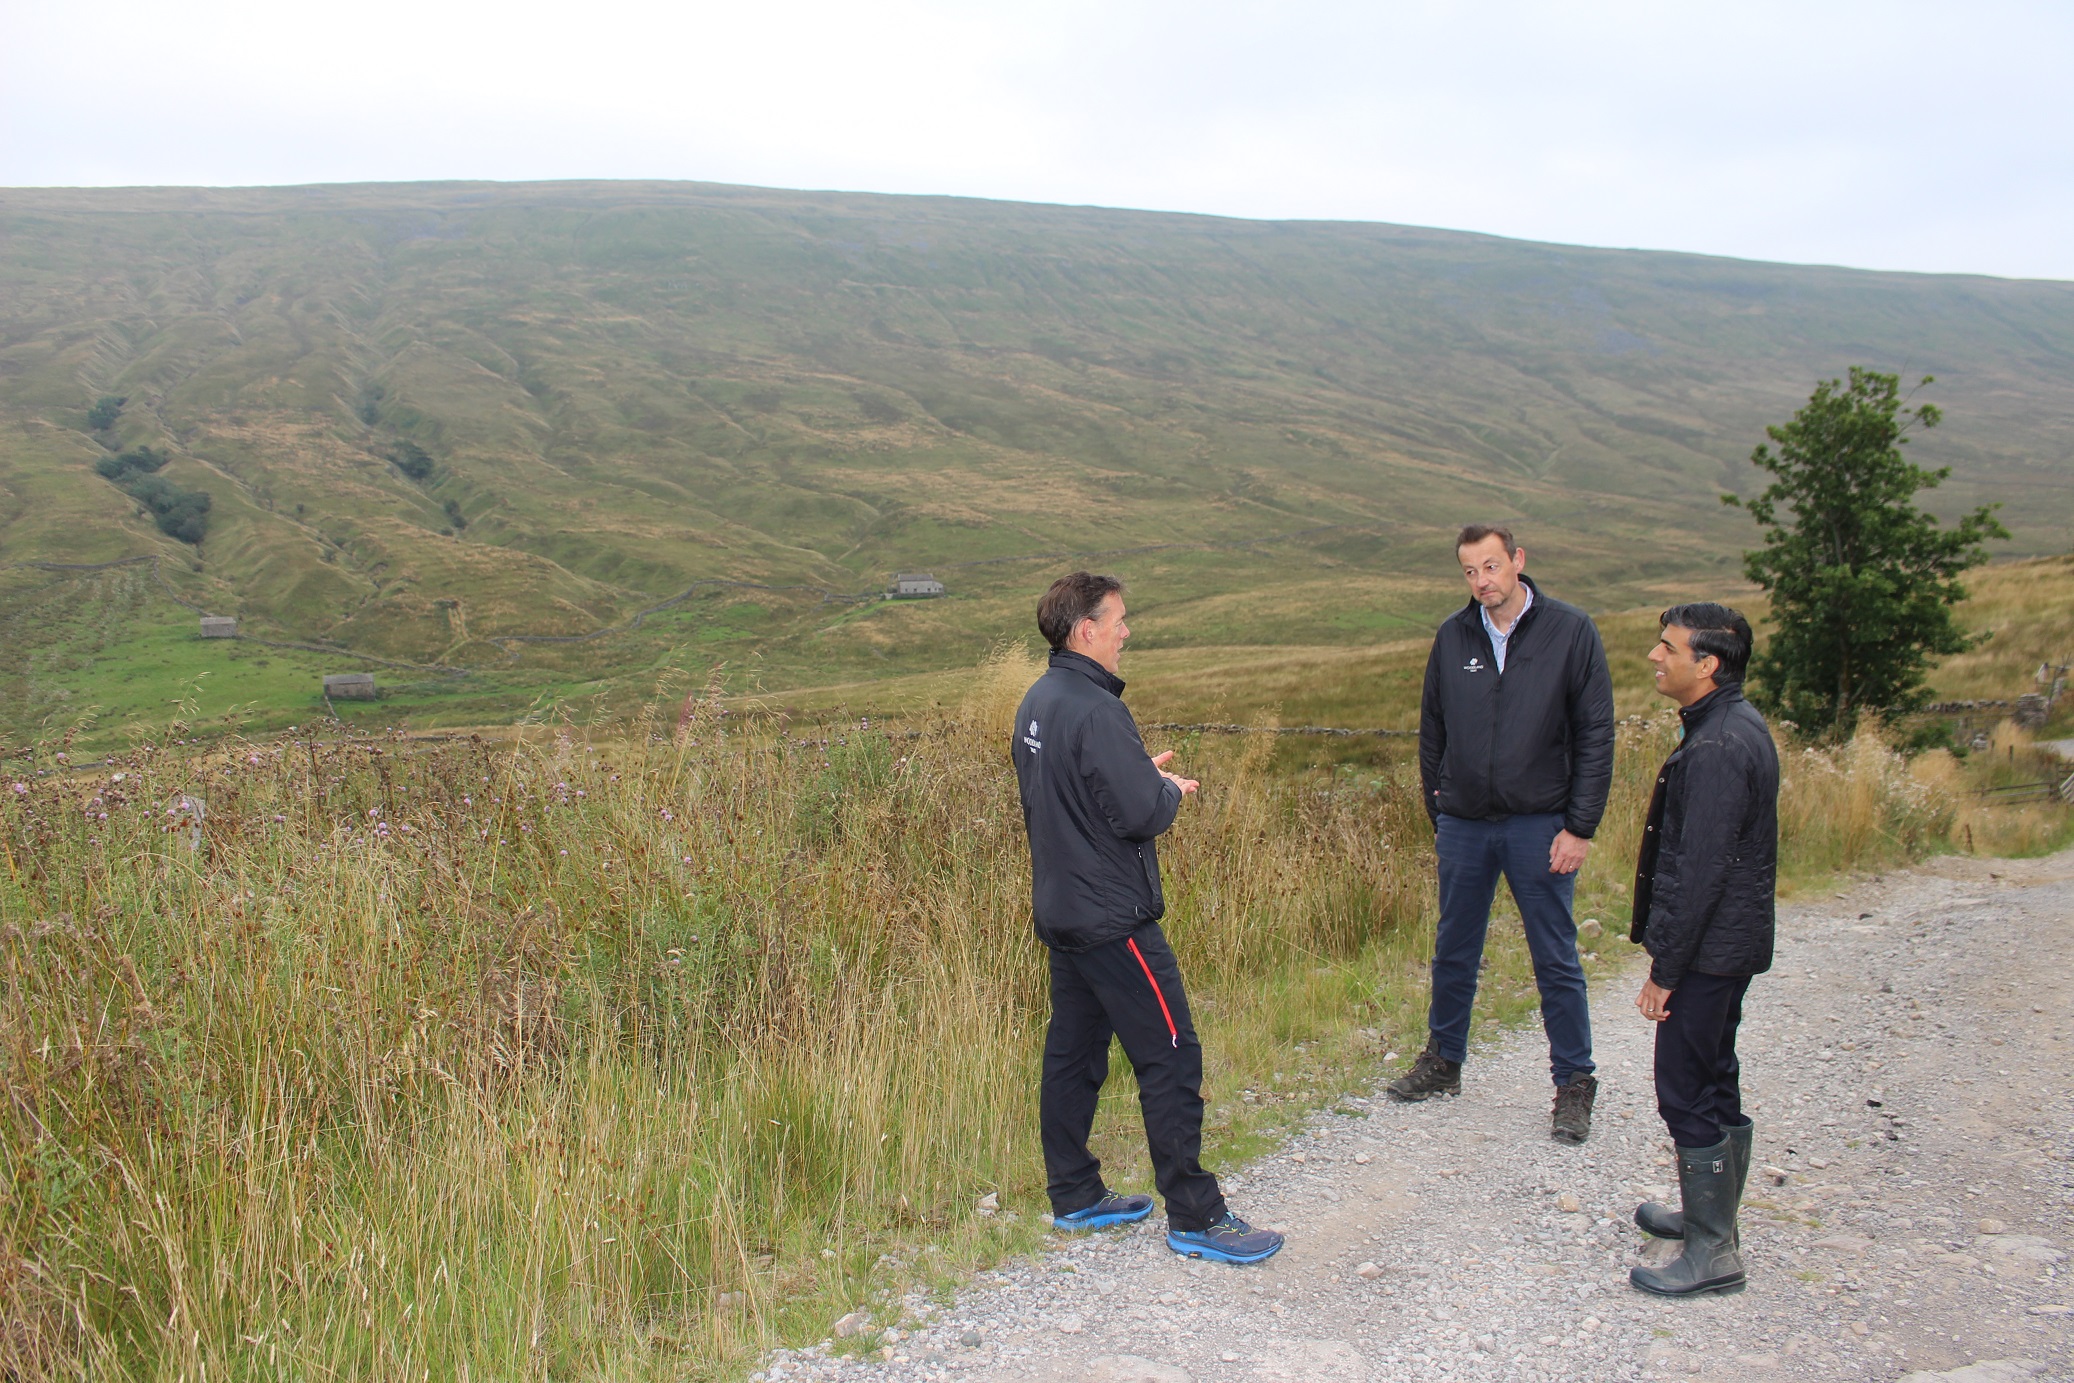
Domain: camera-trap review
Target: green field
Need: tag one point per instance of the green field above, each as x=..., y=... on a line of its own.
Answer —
x=758, y=405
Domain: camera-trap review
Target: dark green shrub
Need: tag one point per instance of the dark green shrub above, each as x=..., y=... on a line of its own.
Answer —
x=136, y=461
x=179, y=513
x=105, y=411
x=455, y=516
x=182, y=514
x=1935, y=733
x=412, y=459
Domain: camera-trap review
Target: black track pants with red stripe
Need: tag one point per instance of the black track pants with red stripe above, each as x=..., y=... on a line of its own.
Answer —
x=1131, y=989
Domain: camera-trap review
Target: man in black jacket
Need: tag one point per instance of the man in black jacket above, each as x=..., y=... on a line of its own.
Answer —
x=1703, y=908
x=1516, y=758
x=1094, y=803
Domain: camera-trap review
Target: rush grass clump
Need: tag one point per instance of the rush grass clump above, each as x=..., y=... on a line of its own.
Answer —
x=1854, y=805
x=381, y=1059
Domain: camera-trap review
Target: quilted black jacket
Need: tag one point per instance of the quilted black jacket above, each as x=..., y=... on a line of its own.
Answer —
x=1709, y=868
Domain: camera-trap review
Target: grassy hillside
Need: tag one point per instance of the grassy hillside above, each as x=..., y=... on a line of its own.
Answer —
x=2022, y=613
x=748, y=408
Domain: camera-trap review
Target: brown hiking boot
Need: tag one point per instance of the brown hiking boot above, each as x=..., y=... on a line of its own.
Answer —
x=1432, y=1074
x=1573, y=1110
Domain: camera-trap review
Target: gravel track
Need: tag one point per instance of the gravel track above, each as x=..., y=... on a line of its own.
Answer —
x=1910, y=1065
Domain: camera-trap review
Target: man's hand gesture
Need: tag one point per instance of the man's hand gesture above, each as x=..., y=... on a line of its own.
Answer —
x=1160, y=761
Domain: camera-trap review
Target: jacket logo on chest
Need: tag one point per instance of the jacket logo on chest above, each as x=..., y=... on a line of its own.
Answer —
x=1474, y=665
x=1031, y=738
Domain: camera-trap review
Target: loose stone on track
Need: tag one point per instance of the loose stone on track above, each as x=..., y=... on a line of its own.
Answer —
x=1910, y=1065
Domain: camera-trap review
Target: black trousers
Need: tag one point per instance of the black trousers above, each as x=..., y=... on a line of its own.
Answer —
x=1698, y=1079
x=1130, y=989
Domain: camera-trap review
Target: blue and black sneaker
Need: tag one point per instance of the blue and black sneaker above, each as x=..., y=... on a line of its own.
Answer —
x=1112, y=1209
x=1230, y=1240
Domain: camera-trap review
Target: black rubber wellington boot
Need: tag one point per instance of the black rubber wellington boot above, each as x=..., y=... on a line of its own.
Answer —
x=1666, y=1223
x=1707, y=1183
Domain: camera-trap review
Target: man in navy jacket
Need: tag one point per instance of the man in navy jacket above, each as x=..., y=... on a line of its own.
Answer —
x=1516, y=759
x=1094, y=803
x=1704, y=910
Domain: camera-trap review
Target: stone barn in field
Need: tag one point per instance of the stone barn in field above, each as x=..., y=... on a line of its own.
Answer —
x=914, y=585
x=349, y=686
x=219, y=627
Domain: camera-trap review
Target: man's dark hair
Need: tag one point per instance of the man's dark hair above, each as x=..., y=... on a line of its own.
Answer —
x=1477, y=532
x=1071, y=599
x=1716, y=630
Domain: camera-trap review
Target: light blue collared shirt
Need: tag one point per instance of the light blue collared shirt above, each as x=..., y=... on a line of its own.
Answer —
x=1498, y=639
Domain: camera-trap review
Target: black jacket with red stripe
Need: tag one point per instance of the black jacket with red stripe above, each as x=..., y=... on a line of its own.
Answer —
x=1093, y=804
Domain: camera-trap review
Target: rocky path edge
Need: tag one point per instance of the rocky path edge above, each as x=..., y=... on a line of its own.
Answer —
x=1909, y=1063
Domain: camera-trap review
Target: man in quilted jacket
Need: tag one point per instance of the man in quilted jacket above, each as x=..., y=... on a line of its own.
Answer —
x=1704, y=889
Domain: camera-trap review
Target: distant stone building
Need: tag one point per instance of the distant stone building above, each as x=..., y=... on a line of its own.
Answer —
x=349, y=686
x=914, y=585
x=219, y=627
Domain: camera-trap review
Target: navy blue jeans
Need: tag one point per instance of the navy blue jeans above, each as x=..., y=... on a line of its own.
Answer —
x=1472, y=856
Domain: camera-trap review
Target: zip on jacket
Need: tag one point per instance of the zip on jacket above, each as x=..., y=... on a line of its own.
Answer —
x=1093, y=805
x=1706, y=879
x=1537, y=737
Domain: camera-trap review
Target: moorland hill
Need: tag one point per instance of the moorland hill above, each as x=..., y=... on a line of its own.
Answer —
x=526, y=440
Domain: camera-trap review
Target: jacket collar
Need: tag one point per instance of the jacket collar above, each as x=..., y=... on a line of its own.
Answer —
x=1714, y=700
x=1471, y=613
x=1090, y=669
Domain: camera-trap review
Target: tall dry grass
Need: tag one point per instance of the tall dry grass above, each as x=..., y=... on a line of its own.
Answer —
x=558, y=1061
x=1983, y=825
x=593, y=1060
x=1857, y=805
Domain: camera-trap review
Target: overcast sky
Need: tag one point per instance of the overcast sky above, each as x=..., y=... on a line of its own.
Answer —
x=1894, y=135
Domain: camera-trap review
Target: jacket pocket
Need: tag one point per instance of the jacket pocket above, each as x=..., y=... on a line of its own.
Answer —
x=1148, y=873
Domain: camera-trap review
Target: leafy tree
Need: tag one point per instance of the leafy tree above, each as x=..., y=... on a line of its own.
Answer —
x=412, y=459
x=455, y=516
x=180, y=513
x=1862, y=582
x=137, y=460
x=105, y=411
